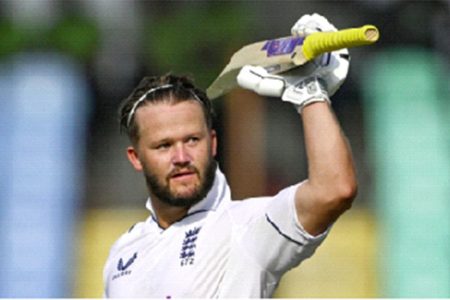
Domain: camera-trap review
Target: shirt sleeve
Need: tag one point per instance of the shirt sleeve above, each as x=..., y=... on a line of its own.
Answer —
x=274, y=236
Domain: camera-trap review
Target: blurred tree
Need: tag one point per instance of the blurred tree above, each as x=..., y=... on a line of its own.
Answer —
x=72, y=35
x=76, y=36
x=196, y=40
x=12, y=38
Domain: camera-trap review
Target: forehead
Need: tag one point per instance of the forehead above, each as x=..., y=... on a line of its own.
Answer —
x=162, y=118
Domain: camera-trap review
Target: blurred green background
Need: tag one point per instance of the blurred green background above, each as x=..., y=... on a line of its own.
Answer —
x=67, y=191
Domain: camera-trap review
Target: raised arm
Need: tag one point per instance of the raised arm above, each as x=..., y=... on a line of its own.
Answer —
x=331, y=184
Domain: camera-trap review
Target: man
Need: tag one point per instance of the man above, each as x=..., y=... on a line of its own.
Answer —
x=197, y=243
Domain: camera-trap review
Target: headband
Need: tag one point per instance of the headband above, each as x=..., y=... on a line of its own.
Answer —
x=135, y=105
x=152, y=90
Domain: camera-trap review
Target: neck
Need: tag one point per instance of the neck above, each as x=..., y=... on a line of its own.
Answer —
x=167, y=214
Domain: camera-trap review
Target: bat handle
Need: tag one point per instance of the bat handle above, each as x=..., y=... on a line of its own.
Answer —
x=322, y=42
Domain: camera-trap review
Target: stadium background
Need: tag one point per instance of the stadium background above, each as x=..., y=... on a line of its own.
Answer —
x=67, y=190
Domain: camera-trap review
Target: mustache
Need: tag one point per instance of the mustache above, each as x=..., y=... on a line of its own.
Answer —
x=182, y=169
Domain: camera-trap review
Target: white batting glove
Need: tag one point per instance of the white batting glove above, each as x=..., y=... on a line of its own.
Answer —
x=335, y=71
x=316, y=81
x=300, y=91
x=308, y=24
x=313, y=82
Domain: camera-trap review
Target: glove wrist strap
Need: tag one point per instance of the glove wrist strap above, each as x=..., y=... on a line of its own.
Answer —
x=300, y=108
x=307, y=91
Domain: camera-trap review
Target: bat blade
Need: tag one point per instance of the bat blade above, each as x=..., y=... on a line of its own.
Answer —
x=274, y=55
x=282, y=54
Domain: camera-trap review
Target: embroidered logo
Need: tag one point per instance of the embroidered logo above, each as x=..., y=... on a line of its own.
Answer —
x=187, y=253
x=122, y=268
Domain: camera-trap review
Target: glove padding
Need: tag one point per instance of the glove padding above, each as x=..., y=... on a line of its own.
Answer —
x=334, y=71
x=315, y=81
x=308, y=24
x=300, y=91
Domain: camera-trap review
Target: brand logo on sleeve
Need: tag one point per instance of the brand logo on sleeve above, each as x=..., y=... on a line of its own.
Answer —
x=122, y=267
x=187, y=253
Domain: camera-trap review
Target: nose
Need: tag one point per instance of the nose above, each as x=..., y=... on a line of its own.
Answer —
x=181, y=155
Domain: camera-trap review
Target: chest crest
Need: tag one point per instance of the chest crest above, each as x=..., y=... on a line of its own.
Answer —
x=187, y=253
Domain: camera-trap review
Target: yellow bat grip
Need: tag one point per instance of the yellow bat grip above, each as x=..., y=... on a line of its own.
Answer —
x=322, y=42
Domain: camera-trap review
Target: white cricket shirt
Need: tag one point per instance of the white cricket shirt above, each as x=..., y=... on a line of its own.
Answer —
x=222, y=248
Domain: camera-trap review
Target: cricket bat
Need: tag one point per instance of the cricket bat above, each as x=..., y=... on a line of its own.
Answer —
x=283, y=54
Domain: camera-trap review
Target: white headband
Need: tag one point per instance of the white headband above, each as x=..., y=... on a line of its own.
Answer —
x=135, y=105
x=152, y=90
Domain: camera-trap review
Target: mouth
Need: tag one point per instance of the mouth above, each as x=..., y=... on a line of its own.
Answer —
x=183, y=175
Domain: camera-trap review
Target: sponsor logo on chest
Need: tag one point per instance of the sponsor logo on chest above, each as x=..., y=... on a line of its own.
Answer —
x=123, y=267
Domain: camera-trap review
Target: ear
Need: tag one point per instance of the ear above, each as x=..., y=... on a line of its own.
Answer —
x=213, y=142
x=133, y=157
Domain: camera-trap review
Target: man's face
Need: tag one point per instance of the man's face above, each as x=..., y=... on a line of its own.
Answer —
x=175, y=151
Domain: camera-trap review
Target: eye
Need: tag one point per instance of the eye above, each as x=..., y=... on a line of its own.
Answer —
x=162, y=146
x=193, y=140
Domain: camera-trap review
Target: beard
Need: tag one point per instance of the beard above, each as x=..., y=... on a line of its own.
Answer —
x=166, y=195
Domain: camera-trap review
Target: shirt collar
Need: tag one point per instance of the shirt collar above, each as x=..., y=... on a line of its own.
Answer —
x=219, y=193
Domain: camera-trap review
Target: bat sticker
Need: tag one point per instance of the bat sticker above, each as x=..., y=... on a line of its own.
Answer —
x=282, y=46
